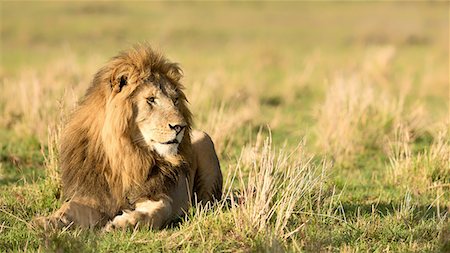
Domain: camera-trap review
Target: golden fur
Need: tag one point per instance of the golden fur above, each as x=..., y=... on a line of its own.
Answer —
x=114, y=155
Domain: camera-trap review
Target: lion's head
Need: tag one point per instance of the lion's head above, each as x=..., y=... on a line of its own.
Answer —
x=132, y=128
x=159, y=118
x=156, y=112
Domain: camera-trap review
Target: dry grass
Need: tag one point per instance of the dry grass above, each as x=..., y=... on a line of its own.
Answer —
x=361, y=108
x=40, y=99
x=223, y=122
x=420, y=171
x=277, y=185
x=51, y=157
x=353, y=115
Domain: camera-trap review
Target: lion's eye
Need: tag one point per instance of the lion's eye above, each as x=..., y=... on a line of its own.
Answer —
x=151, y=100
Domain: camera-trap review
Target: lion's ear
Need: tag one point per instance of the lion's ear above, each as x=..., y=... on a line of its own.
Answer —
x=118, y=84
x=175, y=72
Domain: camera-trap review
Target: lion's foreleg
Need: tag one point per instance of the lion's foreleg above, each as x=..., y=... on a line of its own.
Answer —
x=72, y=212
x=151, y=213
x=208, y=176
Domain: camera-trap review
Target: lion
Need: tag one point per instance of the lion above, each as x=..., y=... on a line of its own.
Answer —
x=128, y=155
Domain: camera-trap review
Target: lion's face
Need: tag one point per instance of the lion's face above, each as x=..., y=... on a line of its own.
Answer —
x=160, y=123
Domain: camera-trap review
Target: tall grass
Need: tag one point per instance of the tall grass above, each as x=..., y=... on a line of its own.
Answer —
x=51, y=157
x=278, y=185
x=353, y=117
x=224, y=121
x=361, y=108
x=33, y=101
x=422, y=170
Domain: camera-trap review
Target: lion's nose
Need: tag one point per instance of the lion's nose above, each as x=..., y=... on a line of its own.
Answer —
x=177, y=128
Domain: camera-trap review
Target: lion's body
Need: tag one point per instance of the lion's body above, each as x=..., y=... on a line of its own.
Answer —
x=127, y=148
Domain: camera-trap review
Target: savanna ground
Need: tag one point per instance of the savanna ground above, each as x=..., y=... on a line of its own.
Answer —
x=331, y=120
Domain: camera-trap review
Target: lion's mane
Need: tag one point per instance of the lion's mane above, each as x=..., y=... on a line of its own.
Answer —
x=100, y=165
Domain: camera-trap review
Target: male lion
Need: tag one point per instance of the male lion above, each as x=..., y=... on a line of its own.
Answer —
x=128, y=155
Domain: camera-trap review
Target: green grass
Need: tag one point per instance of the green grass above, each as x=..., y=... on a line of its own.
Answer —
x=294, y=72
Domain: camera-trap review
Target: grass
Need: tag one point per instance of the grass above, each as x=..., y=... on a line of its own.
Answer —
x=330, y=120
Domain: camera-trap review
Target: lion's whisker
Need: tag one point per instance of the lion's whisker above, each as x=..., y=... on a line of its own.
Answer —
x=138, y=140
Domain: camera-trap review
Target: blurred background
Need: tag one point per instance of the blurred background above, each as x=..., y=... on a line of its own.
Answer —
x=228, y=50
x=33, y=33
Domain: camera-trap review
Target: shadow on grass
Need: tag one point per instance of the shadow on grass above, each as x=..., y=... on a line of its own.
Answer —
x=381, y=226
x=384, y=209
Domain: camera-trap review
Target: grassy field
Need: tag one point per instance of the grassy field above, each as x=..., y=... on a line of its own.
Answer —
x=331, y=120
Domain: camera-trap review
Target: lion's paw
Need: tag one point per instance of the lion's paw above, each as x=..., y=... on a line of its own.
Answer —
x=109, y=227
x=49, y=223
x=120, y=222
